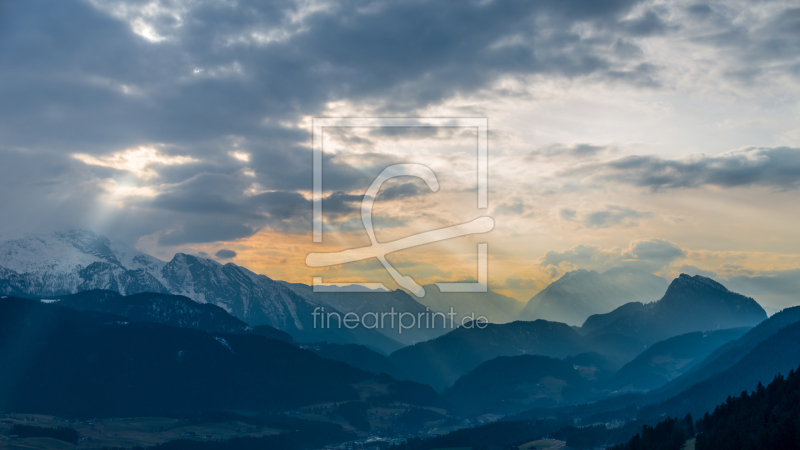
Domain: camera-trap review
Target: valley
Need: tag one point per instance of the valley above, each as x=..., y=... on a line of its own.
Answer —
x=110, y=362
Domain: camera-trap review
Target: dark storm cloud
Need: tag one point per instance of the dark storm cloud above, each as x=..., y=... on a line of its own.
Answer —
x=647, y=24
x=242, y=216
x=73, y=72
x=205, y=194
x=206, y=231
x=77, y=79
x=222, y=194
x=700, y=10
x=280, y=205
x=749, y=51
x=238, y=77
x=340, y=204
x=777, y=168
x=225, y=254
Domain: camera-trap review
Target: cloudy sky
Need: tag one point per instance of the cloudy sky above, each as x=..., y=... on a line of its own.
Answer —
x=662, y=135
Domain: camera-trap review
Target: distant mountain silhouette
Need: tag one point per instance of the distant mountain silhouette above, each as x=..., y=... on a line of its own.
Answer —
x=57, y=264
x=730, y=353
x=509, y=384
x=443, y=360
x=598, y=321
x=272, y=333
x=592, y=365
x=666, y=360
x=496, y=307
x=173, y=310
x=357, y=356
x=690, y=304
x=770, y=348
x=581, y=293
x=374, y=302
x=777, y=354
x=84, y=363
x=616, y=348
x=763, y=418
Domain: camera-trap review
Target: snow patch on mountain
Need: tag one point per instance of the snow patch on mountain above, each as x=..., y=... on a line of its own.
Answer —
x=65, y=263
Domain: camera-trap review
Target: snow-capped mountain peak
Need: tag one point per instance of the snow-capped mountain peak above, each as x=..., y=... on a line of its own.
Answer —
x=69, y=262
x=54, y=253
x=57, y=264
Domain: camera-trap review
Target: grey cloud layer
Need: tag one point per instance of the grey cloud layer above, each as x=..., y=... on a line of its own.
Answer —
x=225, y=254
x=213, y=76
x=650, y=255
x=230, y=76
x=239, y=75
x=749, y=51
x=610, y=216
x=777, y=168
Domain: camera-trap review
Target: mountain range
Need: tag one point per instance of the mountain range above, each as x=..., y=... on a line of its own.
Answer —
x=374, y=302
x=509, y=384
x=441, y=361
x=62, y=361
x=760, y=354
x=100, y=352
x=580, y=293
x=729, y=354
x=497, y=308
x=668, y=359
x=166, y=309
x=357, y=356
x=110, y=316
x=689, y=304
x=770, y=351
x=182, y=312
x=778, y=354
x=61, y=263
x=66, y=263
x=652, y=368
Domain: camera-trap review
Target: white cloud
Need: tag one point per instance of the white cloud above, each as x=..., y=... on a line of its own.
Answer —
x=241, y=156
x=139, y=161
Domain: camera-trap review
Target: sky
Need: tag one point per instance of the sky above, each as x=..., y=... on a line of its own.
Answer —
x=659, y=135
